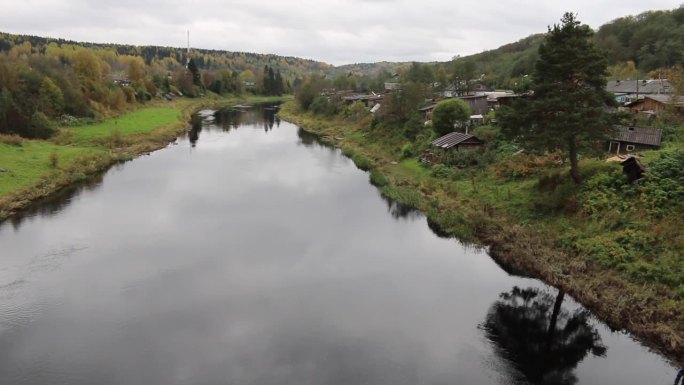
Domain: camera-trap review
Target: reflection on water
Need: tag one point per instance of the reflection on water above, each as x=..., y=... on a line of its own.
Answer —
x=262, y=256
x=539, y=338
x=56, y=202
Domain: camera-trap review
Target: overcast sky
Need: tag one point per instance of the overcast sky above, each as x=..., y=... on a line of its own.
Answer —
x=333, y=31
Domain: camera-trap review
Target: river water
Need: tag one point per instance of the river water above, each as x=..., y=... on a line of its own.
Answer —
x=248, y=253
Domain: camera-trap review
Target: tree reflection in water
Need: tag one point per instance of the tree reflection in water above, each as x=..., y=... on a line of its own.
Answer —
x=540, y=339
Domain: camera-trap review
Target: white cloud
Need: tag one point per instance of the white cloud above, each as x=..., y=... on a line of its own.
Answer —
x=334, y=31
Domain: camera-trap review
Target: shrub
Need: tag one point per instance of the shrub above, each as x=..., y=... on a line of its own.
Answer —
x=362, y=162
x=407, y=151
x=377, y=179
x=12, y=140
x=319, y=105
x=441, y=171
x=54, y=159
x=448, y=114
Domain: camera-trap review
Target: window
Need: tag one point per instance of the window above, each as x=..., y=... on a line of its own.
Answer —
x=629, y=147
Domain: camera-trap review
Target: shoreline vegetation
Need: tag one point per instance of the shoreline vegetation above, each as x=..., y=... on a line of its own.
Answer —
x=485, y=210
x=33, y=169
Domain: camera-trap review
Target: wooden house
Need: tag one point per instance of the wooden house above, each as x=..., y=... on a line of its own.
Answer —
x=658, y=103
x=478, y=104
x=632, y=139
x=457, y=141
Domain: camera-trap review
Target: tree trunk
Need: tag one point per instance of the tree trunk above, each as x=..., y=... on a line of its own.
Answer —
x=574, y=164
x=554, y=319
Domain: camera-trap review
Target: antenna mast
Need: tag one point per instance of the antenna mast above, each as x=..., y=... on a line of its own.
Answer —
x=187, y=55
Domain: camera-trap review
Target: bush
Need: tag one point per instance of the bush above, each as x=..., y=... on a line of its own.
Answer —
x=12, y=140
x=54, y=159
x=377, y=179
x=362, y=162
x=407, y=151
x=448, y=114
x=319, y=105
x=441, y=171
x=41, y=126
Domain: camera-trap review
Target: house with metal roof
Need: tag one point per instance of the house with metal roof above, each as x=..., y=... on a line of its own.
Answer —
x=630, y=90
x=633, y=139
x=457, y=141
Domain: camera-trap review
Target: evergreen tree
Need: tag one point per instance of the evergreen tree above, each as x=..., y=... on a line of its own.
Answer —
x=567, y=109
x=192, y=67
x=279, y=85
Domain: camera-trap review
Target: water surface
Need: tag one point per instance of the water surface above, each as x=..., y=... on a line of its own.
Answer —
x=247, y=253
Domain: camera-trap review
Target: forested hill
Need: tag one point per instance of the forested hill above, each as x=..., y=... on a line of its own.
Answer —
x=205, y=59
x=651, y=42
x=45, y=82
x=373, y=69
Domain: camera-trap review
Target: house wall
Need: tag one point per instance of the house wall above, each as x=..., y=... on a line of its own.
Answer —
x=652, y=105
x=627, y=147
x=478, y=106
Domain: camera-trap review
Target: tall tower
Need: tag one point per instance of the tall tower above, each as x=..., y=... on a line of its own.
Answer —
x=187, y=55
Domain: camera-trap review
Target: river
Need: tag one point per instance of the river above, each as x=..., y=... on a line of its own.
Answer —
x=248, y=253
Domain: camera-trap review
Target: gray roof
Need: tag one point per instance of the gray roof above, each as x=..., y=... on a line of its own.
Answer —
x=452, y=139
x=668, y=99
x=647, y=86
x=639, y=135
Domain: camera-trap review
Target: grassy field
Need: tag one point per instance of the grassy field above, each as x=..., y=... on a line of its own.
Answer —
x=27, y=163
x=136, y=122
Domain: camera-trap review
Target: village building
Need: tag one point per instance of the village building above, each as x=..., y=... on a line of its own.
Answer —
x=658, y=103
x=368, y=100
x=478, y=104
x=630, y=90
x=392, y=86
x=457, y=141
x=633, y=139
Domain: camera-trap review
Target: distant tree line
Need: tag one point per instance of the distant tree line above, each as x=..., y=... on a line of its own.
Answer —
x=47, y=82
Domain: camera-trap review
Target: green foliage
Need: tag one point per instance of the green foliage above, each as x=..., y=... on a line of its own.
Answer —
x=377, y=179
x=320, y=105
x=310, y=89
x=356, y=112
x=405, y=195
x=54, y=160
x=664, y=183
x=194, y=72
x=567, y=108
x=399, y=106
x=407, y=151
x=362, y=162
x=652, y=39
x=413, y=126
x=441, y=171
x=448, y=115
x=41, y=126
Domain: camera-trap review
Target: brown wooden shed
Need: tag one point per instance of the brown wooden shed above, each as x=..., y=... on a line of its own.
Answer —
x=631, y=139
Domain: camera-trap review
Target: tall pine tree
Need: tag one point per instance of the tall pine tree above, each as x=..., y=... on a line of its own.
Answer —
x=567, y=109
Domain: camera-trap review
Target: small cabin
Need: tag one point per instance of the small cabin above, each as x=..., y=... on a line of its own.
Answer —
x=632, y=139
x=457, y=141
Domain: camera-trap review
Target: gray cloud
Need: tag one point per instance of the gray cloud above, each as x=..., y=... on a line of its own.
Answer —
x=334, y=31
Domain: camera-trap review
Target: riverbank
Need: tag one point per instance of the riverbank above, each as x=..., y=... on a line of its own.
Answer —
x=484, y=210
x=31, y=170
